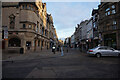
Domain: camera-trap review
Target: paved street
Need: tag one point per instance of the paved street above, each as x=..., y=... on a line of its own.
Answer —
x=73, y=64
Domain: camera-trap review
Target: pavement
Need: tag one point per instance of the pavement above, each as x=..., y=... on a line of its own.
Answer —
x=73, y=64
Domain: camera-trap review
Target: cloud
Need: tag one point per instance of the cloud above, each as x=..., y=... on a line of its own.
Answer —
x=67, y=15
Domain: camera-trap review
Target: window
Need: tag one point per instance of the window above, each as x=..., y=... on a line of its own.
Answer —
x=24, y=26
x=107, y=9
x=12, y=21
x=113, y=6
x=102, y=48
x=29, y=7
x=39, y=43
x=114, y=22
x=22, y=6
x=42, y=30
x=113, y=11
x=114, y=27
x=32, y=9
x=37, y=26
x=30, y=26
x=108, y=12
x=25, y=6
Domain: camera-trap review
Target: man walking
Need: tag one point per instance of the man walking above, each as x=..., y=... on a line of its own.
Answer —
x=53, y=49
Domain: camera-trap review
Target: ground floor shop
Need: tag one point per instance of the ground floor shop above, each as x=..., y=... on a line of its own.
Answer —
x=27, y=41
x=111, y=39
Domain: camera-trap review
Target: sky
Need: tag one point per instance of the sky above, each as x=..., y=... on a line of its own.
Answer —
x=66, y=15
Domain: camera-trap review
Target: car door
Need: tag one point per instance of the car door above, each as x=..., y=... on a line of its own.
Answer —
x=104, y=51
x=110, y=51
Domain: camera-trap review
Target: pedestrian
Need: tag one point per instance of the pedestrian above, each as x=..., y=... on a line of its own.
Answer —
x=62, y=51
x=53, y=49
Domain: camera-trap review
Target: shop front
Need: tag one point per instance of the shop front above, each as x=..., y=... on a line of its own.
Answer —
x=110, y=40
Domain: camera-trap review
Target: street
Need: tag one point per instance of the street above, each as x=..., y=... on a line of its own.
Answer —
x=73, y=64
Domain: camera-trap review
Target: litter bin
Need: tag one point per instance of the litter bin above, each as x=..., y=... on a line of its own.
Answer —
x=21, y=50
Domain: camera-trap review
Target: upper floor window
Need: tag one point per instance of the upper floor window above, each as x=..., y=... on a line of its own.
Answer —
x=113, y=11
x=30, y=26
x=24, y=26
x=114, y=22
x=113, y=6
x=29, y=7
x=114, y=27
x=107, y=9
x=12, y=21
x=25, y=6
x=107, y=13
x=32, y=8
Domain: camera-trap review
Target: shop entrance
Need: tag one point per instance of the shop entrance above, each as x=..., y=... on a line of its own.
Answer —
x=110, y=40
x=28, y=45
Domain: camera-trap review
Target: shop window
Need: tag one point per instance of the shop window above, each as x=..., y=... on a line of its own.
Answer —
x=14, y=42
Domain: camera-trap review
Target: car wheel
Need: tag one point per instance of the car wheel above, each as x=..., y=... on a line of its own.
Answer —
x=98, y=55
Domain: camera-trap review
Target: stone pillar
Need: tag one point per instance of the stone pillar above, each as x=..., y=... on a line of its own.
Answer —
x=23, y=44
x=32, y=45
x=6, y=44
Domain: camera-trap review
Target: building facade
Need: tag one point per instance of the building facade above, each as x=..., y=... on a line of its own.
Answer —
x=95, y=15
x=109, y=24
x=26, y=26
x=89, y=39
x=73, y=41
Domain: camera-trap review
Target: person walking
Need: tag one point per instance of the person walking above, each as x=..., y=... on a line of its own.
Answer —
x=62, y=51
x=53, y=49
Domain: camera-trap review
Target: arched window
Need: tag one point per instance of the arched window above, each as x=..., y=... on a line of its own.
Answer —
x=12, y=21
x=14, y=42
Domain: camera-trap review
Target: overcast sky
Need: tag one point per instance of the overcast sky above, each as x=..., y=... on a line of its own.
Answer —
x=66, y=15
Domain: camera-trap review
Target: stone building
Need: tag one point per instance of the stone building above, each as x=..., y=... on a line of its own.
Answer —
x=27, y=25
x=96, y=40
x=89, y=39
x=73, y=41
x=77, y=33
x=109, y=24
x=52, y=32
